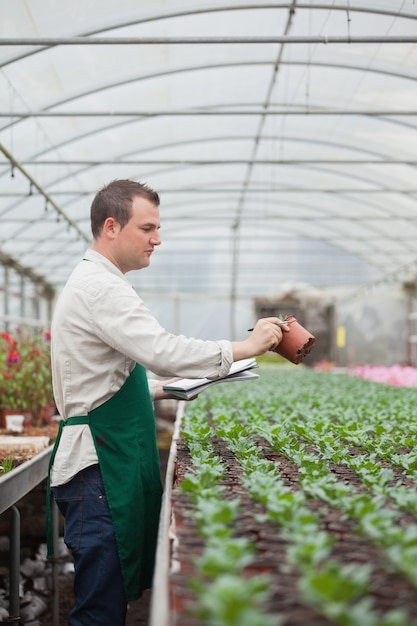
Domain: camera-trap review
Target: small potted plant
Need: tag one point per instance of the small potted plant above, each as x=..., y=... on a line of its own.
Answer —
x=297, y=343
x=25, y=376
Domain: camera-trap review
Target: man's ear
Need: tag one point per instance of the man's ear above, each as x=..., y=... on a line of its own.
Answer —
x=111, y=227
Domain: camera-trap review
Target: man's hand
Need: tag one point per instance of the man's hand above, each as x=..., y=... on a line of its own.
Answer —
x=160, y=394
x=266, y=335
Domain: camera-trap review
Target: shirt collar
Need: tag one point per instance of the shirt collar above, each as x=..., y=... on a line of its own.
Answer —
x=99, y=259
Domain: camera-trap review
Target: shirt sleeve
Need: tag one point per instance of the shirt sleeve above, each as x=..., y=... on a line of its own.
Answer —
x=124, y=322
x=153, y=384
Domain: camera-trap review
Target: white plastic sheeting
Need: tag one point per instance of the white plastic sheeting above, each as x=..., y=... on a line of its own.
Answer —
x=281, y=136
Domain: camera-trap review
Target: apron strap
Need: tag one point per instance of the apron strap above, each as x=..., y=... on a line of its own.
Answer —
x=71, y=421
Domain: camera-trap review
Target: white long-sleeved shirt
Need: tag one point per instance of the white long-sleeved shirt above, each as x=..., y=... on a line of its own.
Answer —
x=101, y=328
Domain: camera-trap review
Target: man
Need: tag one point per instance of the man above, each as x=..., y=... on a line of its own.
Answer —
x=105, y=474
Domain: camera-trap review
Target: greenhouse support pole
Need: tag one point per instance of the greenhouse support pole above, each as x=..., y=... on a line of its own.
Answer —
x=332, y=331
x=14, y=573
x=22, y=303
x=55, y=568
x=6, y=295
x=177, y=315
x=233, y=285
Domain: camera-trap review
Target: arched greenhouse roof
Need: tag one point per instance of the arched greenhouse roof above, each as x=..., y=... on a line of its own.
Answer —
x=281, y=137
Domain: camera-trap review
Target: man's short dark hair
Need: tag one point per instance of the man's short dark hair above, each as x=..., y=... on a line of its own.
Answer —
x=115, y=200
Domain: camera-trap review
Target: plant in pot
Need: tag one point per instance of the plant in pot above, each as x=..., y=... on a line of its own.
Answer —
x=297, y=343
x=25, y=376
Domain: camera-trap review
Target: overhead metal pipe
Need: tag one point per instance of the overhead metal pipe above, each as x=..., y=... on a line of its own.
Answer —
x=252, y=190
x=95, y=163
x=277, y=39
x=193, y=113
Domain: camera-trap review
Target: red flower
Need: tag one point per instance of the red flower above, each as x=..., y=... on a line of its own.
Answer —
x=12, y=356
x=8, y=338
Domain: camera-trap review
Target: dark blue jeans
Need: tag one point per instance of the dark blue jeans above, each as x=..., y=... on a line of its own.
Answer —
x=99, y=594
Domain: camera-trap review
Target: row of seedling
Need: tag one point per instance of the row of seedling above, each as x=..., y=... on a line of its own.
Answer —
x=291, y=413
x=224, y=596
x=338, y=591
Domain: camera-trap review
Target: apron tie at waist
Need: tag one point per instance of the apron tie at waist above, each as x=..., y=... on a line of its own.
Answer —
x=76, y=420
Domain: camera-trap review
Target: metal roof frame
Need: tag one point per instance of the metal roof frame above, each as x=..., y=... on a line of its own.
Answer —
x=61, y=174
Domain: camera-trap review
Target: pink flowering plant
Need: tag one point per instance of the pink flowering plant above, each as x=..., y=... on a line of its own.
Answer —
x=396, y=375
x=25, y=372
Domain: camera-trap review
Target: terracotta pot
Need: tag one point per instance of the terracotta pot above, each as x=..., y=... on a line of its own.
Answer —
x=296, y=343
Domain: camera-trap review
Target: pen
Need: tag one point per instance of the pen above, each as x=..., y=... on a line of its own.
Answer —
x=251, y=329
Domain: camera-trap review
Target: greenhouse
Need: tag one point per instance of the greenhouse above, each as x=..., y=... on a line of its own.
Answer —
x=281, y=139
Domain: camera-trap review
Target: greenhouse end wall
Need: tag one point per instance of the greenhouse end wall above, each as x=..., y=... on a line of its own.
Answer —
x=375, y=324
x=376, y=328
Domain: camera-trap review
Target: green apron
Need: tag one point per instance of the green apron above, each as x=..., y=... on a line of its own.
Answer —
x=124, y=434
